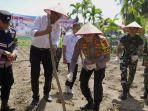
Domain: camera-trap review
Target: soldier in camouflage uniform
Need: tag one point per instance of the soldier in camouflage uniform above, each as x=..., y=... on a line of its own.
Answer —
x=129, y=44
x=145, y=63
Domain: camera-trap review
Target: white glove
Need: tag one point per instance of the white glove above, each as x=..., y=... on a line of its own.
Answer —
x=117, y=60
x=70, y=77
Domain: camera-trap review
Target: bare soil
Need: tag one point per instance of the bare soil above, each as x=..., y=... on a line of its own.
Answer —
x=21, y=94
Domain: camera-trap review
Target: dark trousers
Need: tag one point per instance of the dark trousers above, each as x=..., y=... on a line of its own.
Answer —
x=98, y=88
x=146, y=81
x=38, y=56
x=126, y=82
x=70, y=84
x=58, y=56
x=6, y=81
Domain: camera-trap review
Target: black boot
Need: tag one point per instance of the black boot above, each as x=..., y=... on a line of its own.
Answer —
x=88, y=106
x=5, y=107
x=35, y=102
x=123, y=96
x=96, y=107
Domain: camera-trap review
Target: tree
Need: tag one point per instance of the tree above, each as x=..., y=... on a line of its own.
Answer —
x=131, y=10
x=94, y=13
x=85, y=5
x=76, y=9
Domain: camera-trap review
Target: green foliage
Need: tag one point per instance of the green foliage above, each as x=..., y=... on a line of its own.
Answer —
x=24, y=41
x=133, y=10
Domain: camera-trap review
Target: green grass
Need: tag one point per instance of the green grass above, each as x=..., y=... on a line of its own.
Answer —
x=24, y=41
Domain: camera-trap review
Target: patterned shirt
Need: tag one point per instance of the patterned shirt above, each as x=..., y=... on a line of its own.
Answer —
x=94, y=53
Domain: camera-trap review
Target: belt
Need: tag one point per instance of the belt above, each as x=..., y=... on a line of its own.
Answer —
x=41, y=49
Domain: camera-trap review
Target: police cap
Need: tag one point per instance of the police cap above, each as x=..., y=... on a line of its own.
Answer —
x=5, y=16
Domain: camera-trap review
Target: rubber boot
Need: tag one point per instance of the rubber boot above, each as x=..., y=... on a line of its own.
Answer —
x=124, y=92
x=96, y=107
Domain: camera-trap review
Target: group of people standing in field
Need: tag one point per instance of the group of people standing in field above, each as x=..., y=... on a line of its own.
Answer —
x=86, y=42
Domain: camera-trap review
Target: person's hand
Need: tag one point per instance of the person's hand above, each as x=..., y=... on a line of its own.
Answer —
x=9, y=55
x=70, y=77
x=49, y=29
x=13, y=56
x=117, y=60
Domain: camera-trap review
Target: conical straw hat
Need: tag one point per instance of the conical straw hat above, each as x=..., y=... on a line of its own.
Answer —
x=58, y=8
x=133, y=25
x=88, y=28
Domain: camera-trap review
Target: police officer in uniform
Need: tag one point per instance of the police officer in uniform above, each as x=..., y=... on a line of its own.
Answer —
x=8, y=53
x=145, y=64
x=130, y=44
x=96, y=52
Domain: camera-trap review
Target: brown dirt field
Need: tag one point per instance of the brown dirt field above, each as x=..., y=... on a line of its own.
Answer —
x=21, y=94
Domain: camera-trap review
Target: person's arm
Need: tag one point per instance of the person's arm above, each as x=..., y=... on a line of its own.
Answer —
x=15, y=49
x=106, y=49
x=36, y=32
x=141, y=46
x=43, y=32
x=76, y=53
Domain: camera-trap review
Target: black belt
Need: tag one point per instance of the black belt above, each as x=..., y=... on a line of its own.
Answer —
x=40, y=49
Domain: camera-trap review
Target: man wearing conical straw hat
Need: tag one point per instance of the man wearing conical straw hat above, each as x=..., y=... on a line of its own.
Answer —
x=95, y=50
x=130, y=44
x=40, y=49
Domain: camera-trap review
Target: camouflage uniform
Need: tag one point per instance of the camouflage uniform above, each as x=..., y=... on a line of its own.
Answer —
x=145, y=58
x=131, y=47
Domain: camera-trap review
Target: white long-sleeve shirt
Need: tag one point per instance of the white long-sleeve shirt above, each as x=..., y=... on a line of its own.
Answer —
x=70, y=41
x=40, y=24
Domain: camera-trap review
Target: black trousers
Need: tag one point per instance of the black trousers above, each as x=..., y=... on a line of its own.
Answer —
x=58, y=57
x=38, y=56
x=70, y=84
x=98, y=88
x=6, y=81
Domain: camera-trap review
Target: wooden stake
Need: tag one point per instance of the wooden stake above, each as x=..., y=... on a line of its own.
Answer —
x=54, y=68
